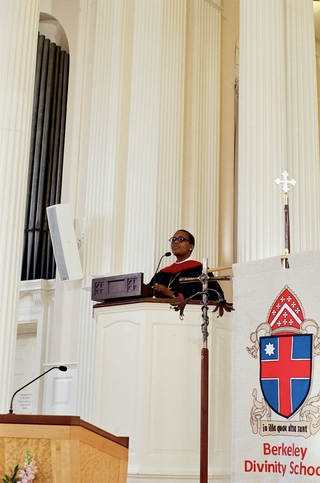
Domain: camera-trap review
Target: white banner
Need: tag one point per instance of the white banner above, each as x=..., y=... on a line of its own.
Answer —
x=276, y=370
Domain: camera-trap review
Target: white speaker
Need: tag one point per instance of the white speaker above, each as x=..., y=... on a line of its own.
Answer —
x=64, y=242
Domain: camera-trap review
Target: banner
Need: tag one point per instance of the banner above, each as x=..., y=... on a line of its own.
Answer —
x=276, y=370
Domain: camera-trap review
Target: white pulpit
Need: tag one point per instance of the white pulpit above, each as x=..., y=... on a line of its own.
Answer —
x=147, y=386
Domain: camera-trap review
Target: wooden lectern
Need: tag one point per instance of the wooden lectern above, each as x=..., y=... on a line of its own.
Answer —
x=64, y=448
x=119, y=287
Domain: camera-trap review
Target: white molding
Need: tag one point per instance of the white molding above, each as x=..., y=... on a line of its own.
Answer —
x=34, y=316
x=60, y=389
x=39, y=284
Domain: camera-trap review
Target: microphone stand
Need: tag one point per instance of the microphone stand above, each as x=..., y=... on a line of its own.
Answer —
x=61, y=368
x=155, y=273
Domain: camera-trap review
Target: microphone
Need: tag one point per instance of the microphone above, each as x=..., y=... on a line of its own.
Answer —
x=168, y=254
x=61, y=368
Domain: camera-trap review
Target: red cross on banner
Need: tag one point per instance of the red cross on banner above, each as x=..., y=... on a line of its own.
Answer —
x=285, y=371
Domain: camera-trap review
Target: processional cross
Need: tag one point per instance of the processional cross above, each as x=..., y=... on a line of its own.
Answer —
x=285, y=190
x=222, y=306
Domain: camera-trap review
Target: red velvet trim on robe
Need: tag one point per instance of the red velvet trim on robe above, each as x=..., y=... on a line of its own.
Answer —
x=179, y=267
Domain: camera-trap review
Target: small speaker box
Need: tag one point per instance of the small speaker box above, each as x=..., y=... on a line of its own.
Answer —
x=64, y=242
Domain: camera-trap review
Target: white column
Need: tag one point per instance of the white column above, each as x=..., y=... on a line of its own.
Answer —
x=104, y=139
x=100, y=225
x=18, y=39
x=302, y=122
x=169, y=183
x=173, y=130
x=200, y=199
x=148, y=90
x=277, y=127
x=262, y=128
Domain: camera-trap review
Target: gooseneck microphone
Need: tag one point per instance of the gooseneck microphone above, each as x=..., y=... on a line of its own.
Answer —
x=168, y=254
x=61, y=368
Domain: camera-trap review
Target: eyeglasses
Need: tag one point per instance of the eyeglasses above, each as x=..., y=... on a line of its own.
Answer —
x=180, y=239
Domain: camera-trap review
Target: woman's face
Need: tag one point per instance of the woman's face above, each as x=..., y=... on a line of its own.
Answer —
x=181, y=249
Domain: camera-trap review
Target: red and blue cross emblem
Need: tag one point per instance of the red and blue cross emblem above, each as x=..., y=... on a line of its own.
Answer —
x=285, y=371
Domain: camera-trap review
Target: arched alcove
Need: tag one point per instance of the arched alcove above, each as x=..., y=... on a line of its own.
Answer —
x=53, y=30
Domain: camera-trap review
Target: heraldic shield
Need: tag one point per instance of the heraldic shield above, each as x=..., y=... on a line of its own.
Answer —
x=285, y=371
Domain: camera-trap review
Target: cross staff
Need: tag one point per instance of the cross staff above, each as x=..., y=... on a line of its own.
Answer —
x=204, y=422
x=285, y=190
x=204, y=279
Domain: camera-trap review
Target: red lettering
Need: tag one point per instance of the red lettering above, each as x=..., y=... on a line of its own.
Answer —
x=293, y=469
x=304, y=470
x=311, y=470
x=266, y=448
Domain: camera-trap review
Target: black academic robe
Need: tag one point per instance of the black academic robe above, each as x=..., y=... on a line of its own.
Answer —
x=169, y=277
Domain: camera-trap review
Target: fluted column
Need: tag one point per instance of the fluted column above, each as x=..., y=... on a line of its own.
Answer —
x=173, y=130
x=143, y=160
x=277, y=127
x=169, y=185
x=200, y=195
x=18, y=39
x=302, y=122
x=262, y=128
x=104, y=138
x=102, y=178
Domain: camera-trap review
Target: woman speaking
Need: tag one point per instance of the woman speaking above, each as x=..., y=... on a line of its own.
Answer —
x=166, y=281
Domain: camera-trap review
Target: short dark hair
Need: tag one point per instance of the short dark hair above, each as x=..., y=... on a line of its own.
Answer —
x=190, y=236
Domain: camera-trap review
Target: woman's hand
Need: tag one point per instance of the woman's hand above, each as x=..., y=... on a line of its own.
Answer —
x=165, y=290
